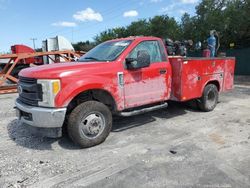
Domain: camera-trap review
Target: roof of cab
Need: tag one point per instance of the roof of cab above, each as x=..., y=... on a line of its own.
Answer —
x=137, y=38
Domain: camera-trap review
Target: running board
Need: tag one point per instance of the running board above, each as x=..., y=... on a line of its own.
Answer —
x=144, y=110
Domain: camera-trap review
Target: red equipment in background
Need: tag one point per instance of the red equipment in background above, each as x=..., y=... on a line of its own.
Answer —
x=19, y=48
x=206, y=53
x=22, y=57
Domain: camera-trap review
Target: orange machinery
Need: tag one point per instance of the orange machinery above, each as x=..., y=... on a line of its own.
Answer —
x=22, y=57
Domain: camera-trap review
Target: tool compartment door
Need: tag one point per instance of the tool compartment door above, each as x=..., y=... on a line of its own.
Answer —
x=186, y=79
x=213, y=70
x=191, y=79
x=229, y=74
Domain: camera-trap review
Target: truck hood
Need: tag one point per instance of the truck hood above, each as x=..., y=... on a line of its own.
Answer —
x=59, y=70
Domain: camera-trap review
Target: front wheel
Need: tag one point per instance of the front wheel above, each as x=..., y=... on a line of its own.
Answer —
x=89, y=123
x=209, y=98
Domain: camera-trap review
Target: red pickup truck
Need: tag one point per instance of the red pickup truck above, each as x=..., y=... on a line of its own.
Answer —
x=123, y=77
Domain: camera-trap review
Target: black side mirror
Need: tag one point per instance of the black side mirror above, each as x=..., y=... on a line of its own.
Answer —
x=142, y=60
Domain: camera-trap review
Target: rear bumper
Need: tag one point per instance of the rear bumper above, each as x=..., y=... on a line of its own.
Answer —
x=40, y=116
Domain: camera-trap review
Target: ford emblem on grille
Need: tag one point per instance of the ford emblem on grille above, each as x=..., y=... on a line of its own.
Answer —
x=19, y=89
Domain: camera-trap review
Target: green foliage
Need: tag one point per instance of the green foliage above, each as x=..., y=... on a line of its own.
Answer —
x=237, y=22
x=188, y=26
x=83, y=46
x=164, y=26
x=138, y=28
x=159, y=26
x=230, y=18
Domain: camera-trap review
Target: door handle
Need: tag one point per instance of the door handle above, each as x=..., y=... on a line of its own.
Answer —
x=163, y=71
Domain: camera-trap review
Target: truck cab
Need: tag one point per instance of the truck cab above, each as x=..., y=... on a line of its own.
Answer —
x=125, y=77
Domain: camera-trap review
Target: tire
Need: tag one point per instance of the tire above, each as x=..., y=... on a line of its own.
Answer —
x=209, y=98
x=89, y=124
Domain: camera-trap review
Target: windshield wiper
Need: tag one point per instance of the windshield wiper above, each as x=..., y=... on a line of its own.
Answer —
x=93, y=58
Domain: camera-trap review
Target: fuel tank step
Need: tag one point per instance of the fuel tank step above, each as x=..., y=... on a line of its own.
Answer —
x=143, y=110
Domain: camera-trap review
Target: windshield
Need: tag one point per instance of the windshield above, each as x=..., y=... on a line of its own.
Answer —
x=107, y=51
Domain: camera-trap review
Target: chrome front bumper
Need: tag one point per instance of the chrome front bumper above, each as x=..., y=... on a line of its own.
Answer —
x=40, y=116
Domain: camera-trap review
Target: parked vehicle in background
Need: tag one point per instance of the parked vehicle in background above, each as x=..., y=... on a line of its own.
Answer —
x=124, y=77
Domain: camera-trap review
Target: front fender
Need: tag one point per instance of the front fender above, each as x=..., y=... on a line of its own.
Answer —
x=71, y=87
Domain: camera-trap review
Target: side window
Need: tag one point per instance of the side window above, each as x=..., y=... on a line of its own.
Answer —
x=152, y=47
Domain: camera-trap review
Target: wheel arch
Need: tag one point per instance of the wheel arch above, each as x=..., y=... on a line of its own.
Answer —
x=207, y=103
x=100, y=95
x=214, y=82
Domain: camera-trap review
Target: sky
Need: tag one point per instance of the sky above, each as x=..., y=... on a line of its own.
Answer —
x=77, y=20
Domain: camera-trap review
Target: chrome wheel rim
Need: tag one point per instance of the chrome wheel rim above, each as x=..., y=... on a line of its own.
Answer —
x=92, y=125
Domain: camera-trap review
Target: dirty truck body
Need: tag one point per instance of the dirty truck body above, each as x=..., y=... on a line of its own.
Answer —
x=119, y=77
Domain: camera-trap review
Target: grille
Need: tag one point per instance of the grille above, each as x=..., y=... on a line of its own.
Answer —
x=30, y=92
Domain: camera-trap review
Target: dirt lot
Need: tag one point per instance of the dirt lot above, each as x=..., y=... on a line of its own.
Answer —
x=174, y=147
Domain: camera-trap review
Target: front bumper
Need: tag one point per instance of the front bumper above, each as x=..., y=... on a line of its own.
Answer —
x=41, y=117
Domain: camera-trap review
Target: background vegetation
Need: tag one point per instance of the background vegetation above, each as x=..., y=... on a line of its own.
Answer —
x=231, y=18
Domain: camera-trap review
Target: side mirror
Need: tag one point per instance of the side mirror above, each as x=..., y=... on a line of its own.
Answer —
x=142, y=60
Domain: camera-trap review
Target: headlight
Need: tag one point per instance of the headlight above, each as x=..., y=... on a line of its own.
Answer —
x=50, y=89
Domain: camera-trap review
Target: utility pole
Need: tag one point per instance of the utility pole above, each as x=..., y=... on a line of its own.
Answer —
x=34, y=45
x=72, y=35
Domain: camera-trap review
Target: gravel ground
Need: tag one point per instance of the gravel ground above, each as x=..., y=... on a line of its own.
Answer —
x=173, y=147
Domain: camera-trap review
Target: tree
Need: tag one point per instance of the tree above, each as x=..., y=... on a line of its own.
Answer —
x=120, y=32
x=164, y=27
x=189, y=27
x=230, y=18
x=160, y=26
x=83, y=46
x=105, y=35
x=138, y=28
x=209, y=17
x=237, y=22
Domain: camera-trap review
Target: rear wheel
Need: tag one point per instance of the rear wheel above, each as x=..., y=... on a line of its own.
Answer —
x=89, y=123
x=209, y=98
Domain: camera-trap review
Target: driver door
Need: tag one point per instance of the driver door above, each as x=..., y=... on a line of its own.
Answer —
x=149, y=84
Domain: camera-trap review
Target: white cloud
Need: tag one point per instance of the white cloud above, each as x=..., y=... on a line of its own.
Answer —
x=168, y=8
x=88, y=15
x=64, y=24
x=178, y=6
x=189, y=1
x=155, y=1
x=131, y=13
x=173, y=8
